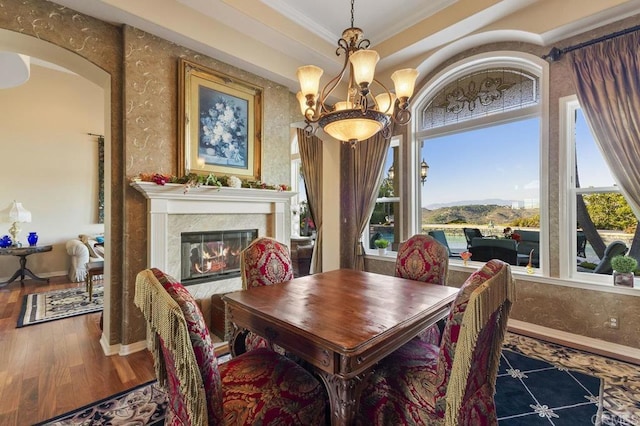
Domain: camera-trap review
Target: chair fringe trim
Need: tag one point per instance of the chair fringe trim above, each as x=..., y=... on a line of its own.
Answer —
x=167, y=322
x=483, y=302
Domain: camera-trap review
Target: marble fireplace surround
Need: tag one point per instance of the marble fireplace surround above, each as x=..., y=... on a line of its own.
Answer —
x=173, y=209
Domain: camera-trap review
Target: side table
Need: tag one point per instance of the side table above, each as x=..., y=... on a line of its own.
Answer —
x=22, y=253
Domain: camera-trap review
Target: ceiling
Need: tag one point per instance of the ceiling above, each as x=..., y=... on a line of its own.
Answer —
x=272, y=38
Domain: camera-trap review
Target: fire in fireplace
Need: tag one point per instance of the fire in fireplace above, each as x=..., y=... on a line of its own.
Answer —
x=213, y=255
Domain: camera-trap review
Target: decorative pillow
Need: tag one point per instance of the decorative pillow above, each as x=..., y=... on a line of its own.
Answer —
x=89, y=245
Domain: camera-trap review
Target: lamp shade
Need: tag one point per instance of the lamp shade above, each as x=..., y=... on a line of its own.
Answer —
x=364, y=65
x=385, y=102
x=15, y=213
x=309, y=77
x=353, y=125
x=404, y=82
x=15, y=69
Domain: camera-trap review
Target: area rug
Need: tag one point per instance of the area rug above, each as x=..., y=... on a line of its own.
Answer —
x=538, y=383
x=143, y=405
x=531, y=392
x=57, y=304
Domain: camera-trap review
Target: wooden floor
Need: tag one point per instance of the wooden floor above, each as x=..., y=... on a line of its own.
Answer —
x=51, y=368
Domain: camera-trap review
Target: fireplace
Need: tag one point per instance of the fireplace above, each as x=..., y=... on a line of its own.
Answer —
x=173, y=210
x=214, y=255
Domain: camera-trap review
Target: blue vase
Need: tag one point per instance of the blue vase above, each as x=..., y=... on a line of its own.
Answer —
x=5, y=241
x=32, y=238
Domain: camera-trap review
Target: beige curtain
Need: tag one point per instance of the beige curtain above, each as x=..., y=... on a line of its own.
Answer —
x=607, y=78
x=368, y=160
x=311, y=157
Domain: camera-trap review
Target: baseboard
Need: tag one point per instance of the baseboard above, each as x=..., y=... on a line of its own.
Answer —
x=107, y=348
x=120, y=349
x=588, y=344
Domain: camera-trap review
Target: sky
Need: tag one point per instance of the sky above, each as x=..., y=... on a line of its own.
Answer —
x=499, y=162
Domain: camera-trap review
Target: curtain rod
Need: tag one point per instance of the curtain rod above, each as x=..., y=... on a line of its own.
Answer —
x=555, y=53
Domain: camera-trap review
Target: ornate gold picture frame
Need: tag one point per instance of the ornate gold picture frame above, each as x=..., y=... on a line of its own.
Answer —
x=220, y=127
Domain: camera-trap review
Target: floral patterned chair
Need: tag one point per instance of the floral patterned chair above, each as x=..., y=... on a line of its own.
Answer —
x=265, y=261
x=259, y=387
x=423, y=258
x=454, y=384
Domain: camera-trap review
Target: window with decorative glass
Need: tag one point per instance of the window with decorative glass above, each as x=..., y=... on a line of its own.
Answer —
x=479, y=132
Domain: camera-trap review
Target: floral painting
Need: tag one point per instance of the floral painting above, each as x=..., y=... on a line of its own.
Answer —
x=222, y=128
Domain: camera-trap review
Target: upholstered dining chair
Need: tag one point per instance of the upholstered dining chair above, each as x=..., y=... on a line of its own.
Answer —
x=453, y=384
x=259, y=387
x=265, y=261
x=423, y=258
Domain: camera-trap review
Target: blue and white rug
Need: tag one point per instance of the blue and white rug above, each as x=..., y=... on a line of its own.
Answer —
x=58, y=304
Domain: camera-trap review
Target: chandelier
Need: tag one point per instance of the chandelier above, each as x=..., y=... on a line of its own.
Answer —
x=361, y=114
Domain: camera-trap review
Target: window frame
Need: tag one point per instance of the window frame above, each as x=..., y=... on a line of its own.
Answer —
x=469, y=65
x=568, y=107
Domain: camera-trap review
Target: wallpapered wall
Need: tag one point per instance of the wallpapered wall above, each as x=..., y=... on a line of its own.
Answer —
x=146, y=140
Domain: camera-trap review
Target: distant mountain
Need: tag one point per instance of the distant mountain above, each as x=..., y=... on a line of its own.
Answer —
x=478, y=214
x=493, y=201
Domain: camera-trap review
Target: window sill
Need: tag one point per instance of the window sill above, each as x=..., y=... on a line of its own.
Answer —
x=520, y=274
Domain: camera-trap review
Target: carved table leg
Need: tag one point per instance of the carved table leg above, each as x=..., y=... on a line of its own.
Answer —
x=344, y=397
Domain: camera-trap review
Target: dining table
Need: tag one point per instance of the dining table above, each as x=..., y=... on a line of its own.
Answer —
x=340, y=323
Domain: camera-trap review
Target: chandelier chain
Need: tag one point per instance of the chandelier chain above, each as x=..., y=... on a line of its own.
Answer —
x=352, y=2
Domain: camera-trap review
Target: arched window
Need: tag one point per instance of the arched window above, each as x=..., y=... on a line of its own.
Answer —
x=479, y=130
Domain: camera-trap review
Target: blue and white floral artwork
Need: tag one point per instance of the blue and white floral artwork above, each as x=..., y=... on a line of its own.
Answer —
x=223, y=129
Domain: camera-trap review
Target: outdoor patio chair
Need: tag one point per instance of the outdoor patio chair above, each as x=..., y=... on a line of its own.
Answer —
x=470, y=234
x=440, y=236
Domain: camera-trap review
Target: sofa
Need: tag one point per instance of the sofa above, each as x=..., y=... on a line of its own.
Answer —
x=81, y=251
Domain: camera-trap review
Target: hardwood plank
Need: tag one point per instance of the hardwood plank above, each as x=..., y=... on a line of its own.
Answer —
x=51, y=368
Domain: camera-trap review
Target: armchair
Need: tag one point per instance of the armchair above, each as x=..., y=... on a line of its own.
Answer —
x=453, y=384
x=81, y=251
x=259, y=387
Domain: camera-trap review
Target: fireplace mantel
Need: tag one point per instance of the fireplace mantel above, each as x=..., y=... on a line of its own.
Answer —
x=174, y=191
x=176, y=199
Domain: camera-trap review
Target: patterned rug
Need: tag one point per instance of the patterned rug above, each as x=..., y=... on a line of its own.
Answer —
x=142, y=405
x=539, y=383
x=57, y=304
x=620, y=386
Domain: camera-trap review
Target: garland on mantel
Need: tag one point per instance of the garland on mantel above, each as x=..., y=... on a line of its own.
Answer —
x=193, y=180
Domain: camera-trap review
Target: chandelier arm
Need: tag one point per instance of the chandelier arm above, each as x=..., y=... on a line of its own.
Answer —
x=401, y=116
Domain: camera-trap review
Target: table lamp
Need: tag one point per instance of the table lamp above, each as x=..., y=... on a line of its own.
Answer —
x=17, y=214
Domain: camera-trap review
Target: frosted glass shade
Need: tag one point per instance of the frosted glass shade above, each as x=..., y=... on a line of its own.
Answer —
x=309, y=77
x=404, y=81
x=353, y=125
x=386, y=102
x=364, y=65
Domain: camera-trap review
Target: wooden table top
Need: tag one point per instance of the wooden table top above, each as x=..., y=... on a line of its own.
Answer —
x=347, y=310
